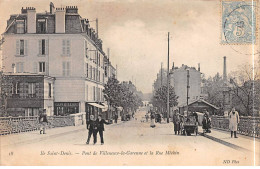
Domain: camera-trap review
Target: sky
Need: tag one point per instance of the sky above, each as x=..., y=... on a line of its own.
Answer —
x=136, y=33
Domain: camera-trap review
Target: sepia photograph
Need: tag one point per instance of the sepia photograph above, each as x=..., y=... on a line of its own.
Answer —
x=129, y=83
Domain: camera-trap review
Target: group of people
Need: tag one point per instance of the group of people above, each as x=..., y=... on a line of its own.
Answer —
x=94, y=127
x=206, y=122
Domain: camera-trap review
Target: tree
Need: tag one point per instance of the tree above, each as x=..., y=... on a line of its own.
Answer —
x=160, y=97
x=245, y=89
x=5, y=91
x=111, y=92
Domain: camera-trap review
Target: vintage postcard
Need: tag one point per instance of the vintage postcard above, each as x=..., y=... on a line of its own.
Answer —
x=129, y=83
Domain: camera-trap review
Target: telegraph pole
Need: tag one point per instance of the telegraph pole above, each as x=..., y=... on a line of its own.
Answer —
x=97, y=26
x=168, y=80
x=161, y=74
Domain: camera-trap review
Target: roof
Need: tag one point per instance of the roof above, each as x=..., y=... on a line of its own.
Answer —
x=200, y=100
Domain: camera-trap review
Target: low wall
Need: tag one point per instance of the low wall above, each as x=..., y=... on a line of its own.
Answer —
x=248, y=126
x=10, y=125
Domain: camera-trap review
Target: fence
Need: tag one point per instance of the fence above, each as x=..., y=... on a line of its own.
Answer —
x=9, y=125
x=248, y=126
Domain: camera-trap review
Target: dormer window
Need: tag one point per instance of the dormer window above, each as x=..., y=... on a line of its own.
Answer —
x=20, y=26
x=41, y=26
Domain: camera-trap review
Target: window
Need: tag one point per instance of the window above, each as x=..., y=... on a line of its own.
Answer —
x=31, y=90
x=94, y=93
x=86, y=49
x=43, y=47
x=90, y=72
x=49, y=90
x=41, y=26
x=66, y=68
x=66, y=47
x=21, y=47
x=87, y=69
x=20, y=26
x=41, y=67
x=19, y=67
x=16, y=88
x=94, y=76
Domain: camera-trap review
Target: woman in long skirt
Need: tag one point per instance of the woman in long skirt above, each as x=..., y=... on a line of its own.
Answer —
x=152, y=120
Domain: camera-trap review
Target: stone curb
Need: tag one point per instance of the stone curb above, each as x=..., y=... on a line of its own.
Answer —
x=224, y=142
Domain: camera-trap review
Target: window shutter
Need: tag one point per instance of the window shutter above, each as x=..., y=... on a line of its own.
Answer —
x=68, y=68
x=35, y=67
x=47, y=46
x=25, y=47
x=17, y=47
x=63, y=47
x=18, y=67
x=21, y=67
x=40, y=47
x=46, y=68
x=63, y=68
x=68, y=47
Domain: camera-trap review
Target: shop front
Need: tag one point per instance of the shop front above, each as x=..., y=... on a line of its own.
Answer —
x=65, y=108
x=93, y=108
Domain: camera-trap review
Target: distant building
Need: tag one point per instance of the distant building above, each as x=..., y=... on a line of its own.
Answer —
x=183, y=79
x=179, y=78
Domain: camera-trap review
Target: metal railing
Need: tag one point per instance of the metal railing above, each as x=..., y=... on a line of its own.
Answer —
x=248, y=126
x=10, y=125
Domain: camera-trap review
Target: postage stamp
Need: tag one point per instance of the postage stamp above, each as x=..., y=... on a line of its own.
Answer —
x=238, y=22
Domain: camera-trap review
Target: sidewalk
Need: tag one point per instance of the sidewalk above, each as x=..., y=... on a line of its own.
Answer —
x=244, y=143
x=35, y=136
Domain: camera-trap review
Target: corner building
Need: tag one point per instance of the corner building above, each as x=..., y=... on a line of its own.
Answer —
x=62, y=45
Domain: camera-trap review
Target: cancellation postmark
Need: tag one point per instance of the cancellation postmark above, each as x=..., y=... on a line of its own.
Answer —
x=238, y=22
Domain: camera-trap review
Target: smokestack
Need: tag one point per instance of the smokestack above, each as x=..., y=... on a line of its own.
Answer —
x=199, y=67
x=225, y=70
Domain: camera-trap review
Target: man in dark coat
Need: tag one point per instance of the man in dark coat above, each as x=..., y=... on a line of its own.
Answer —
x=43, y=121
x=100, y=128
x=176, y=121
x=92, y=129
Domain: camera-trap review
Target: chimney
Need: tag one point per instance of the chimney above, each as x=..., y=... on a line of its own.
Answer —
x=72, y=9
x=31, y=20
x=225, y=70
x=52, y=8
x=60, y=20
x=199, y=67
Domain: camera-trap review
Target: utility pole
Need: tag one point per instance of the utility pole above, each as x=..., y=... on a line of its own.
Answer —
x=108, y=63
x=97, y=26
x=161, y=74
x=188, y=87
x=168, y=80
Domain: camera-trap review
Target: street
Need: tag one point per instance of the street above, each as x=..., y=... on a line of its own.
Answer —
x=127, y=143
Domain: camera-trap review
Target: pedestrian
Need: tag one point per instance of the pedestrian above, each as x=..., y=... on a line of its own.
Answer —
x=100, y=128
x=176, y=122
x=233, y=122
x=116, y=117
x=206, y=122
x=152, y=120
x=146, y=117
x=43, y=121
x=92, y=129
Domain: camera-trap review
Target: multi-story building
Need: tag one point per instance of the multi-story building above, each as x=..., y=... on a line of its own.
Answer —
x=185, y=79
x=180, y=78
x=59, y=44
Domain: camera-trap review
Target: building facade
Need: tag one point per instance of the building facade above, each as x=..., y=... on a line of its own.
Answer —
x=59, y=44
x=180, y=78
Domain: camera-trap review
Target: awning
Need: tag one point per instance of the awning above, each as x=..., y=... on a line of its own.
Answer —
x=105, y=107
x=96, y=105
